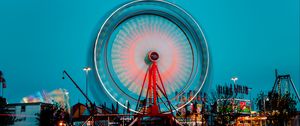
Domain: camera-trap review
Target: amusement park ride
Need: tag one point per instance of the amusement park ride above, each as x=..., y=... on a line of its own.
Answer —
x=155, y=39
x=282, y=88
x=146, y=51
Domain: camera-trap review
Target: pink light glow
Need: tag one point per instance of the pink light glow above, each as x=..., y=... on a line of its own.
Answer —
x=136, y=38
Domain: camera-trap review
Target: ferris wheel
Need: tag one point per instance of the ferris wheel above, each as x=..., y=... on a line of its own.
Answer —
x=144, y=36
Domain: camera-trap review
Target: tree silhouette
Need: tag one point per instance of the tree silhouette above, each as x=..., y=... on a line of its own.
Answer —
x=221, y=106
x=46, y=116
x=278, y=109
x=50, y=115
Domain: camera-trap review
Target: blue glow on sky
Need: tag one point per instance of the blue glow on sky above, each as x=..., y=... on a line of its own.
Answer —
x=247, y=39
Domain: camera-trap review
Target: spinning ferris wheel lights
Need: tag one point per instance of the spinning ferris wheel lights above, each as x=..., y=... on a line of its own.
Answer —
x=151, y=44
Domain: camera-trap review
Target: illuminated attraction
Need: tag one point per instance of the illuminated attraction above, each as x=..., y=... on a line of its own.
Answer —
x=146, y=51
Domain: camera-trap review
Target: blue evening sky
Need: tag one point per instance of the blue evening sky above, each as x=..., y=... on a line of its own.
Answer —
x=41, y=38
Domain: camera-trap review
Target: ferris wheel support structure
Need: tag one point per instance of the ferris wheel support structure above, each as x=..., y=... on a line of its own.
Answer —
x=152, y=95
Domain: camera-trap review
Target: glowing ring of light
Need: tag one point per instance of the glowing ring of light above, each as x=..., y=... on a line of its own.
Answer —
x=114, y=66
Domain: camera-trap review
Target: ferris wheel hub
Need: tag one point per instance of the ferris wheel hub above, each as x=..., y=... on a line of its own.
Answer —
x=153, y=56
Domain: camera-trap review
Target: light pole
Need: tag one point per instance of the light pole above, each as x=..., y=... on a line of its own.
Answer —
x=265, y=99
x=86, y=69
x=250, y=104
x=234, y=79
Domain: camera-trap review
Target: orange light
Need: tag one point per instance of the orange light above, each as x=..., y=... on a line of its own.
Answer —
x=61, y=123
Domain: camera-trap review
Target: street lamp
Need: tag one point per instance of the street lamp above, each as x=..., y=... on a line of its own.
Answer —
x=86, y=69
x=234, y=79
x=265, y=99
